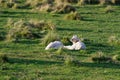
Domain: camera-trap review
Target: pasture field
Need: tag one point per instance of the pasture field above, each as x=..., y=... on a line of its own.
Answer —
x=29, y=61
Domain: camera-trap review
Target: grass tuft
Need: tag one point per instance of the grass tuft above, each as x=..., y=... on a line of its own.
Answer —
x=3, y=58
x=70, y=61
x=73, y=16
x=50, y=37
x=105, y=2
x=109, y=9
x=81, y=3
x=101, y=58
x=63, y=8
x=113, y=40
x=66, y=41
x=59, y=51
x=27, y=29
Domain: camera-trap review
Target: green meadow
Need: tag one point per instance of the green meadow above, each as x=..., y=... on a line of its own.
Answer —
x=28, y=60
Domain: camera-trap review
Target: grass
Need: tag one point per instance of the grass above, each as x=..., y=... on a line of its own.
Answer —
x=73, y=16
x=29, y=61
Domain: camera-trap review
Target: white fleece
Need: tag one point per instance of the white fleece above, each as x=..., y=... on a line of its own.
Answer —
x=76, y=46
x=54, y=45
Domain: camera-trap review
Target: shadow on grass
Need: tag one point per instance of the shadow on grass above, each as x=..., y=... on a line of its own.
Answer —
x=10, y=16
x=95, y=47
x=18, y=12
x=96, y=20
x=90, y=13
x=100, y=65
x=28, y=42
x=74, y=29
x=30, y=61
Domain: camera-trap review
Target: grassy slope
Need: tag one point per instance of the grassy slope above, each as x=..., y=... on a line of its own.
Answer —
x=29, y=60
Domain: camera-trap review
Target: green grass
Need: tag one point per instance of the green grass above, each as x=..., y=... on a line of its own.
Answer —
x=29, y=61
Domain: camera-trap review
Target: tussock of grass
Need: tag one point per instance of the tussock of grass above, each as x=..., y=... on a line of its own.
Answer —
x=42, y=25
x=113, y=40
x=10, y=23
x=116, y=57
x=44, y=8
x=18, y=30
x=116, y=1
x=57, y=6
x=105, y=2
x=81, y=3
x=64, y=8
x=27, y=29
x=66, y=1
x=50, y=37
x=70, y=61
x=39, y=3
x=101, y=58
x=3, y=58
x=73, y=16
x=66, y=41
x=109, y=9
x=59, y=51
x=48, y=1
x=33, y=3
x=8, y=3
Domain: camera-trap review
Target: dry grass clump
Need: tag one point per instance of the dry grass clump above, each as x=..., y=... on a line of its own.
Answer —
x=20, y=6
x=8, y=3
x=10, y=23
x=73, y=16
x=109, y=9
x=71, y=1
x=81, y=3
x=66, y=41
x=58, y=1
x=70, y=61
x=105, y=2
x=3, y=58
x=113, y=1
x=57, y=6
x=18, y=30
x=15, y=4
x=33, y=3
x=42, y=25
x=117, y=2
x=116, y=57
x=48, y=1
x=38, y=3
x=113, y=40
x=50, y=37
x=66, y=1
x=99, y=57
x=44, y=8
x=63, y=8
x=27, y=29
